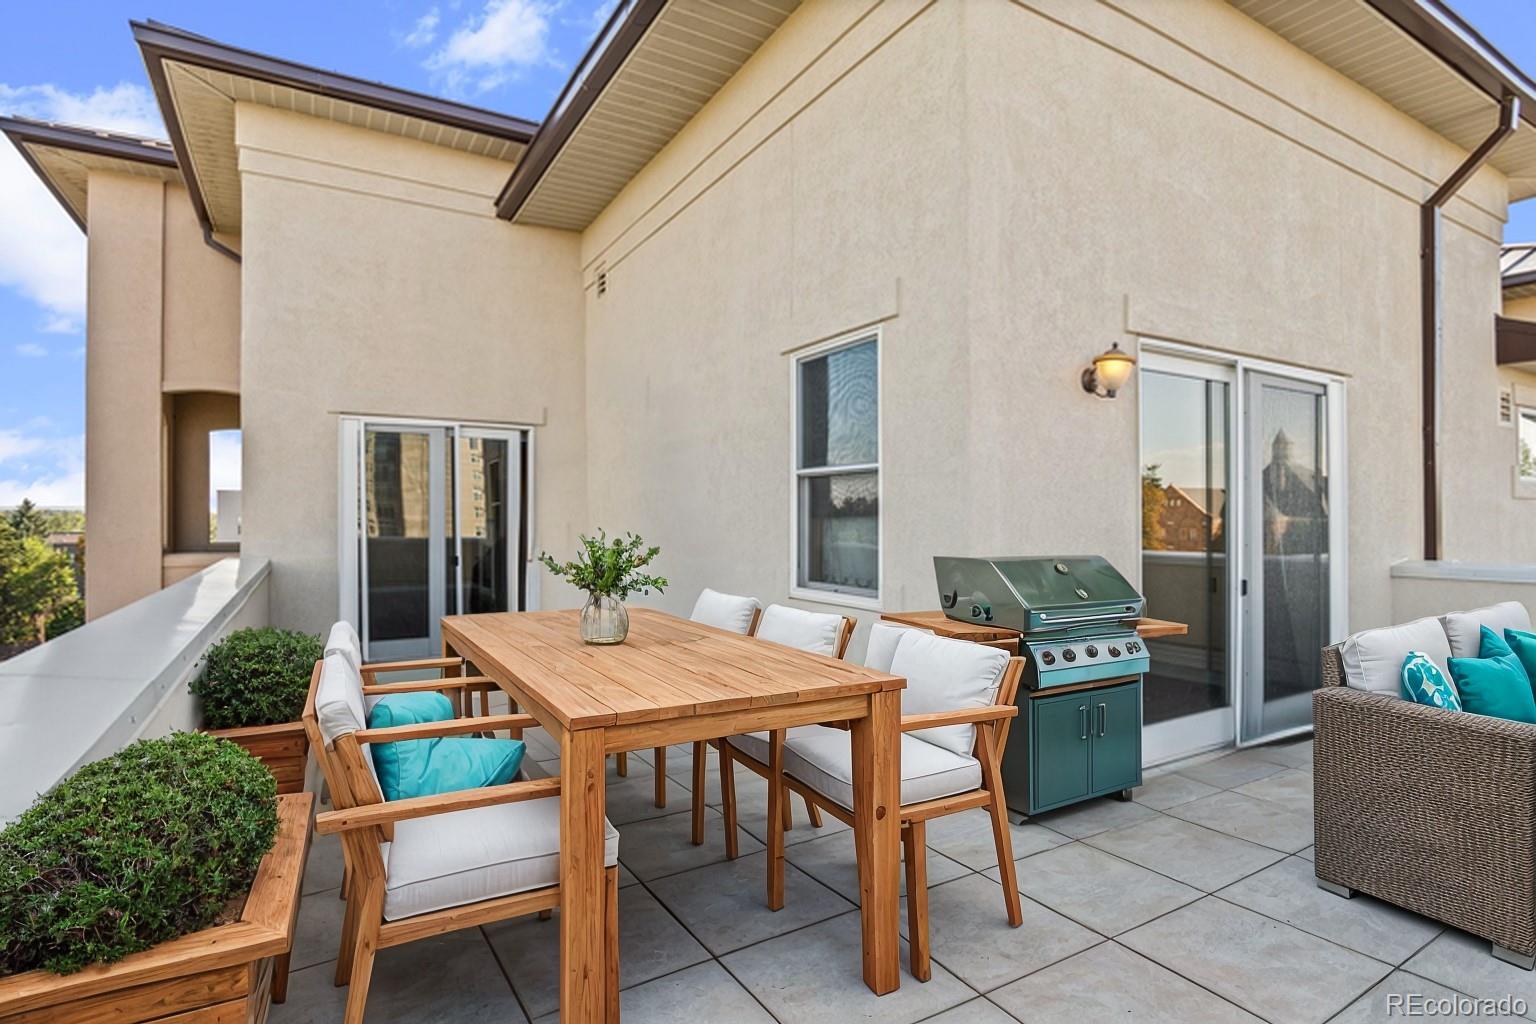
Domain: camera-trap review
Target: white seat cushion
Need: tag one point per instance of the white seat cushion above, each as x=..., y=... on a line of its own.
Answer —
x=343, y=640
x=881, y=648
x=755, y=744
x=725, y=611
x=816, y=632
x=1373, y=658
x=1464, y=629
x=448, y=860
x=339, y=706
x=823, y=759
x=947, y=675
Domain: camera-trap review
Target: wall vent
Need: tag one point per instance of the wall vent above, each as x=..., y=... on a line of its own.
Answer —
x=602, y=281
x=1506, y=406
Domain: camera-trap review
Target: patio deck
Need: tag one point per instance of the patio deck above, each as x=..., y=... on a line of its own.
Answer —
x=1193, y=903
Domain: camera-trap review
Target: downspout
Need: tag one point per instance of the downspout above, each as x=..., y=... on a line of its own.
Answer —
x=1432, y=329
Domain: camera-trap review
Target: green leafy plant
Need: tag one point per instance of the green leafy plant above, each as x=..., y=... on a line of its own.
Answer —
x=257, y=677
x=141, y=847
x=609, y=568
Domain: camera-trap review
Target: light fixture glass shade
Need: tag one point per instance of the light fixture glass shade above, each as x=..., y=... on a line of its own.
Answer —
x=1113, y=368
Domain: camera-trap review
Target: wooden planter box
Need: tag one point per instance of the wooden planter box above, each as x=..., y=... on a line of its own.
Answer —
x=227, y=974
x=284, y=749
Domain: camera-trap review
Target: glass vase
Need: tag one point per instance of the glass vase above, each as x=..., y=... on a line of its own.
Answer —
x=604, y=620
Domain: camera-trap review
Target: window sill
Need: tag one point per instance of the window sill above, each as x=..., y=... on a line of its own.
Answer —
x=811, y=595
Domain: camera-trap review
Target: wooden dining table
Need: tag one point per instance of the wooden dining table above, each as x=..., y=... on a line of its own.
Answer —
x=677, y=681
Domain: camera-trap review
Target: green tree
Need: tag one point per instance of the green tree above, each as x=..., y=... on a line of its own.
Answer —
x=36, y=582
x=1153, y=499
x=28, y=520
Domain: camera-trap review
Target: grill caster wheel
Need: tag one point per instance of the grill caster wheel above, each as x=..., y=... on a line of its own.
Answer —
x=1124, y=796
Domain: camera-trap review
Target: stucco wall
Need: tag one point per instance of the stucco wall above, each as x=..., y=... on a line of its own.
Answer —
x=193, y=416
x=377, y=281
x=1521, y=309
x=202, y=305
x=1008, y=188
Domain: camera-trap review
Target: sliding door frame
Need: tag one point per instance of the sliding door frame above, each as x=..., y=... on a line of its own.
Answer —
x=1238, y=555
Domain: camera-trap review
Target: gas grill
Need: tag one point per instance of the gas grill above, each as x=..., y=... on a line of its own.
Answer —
x=1073, y=613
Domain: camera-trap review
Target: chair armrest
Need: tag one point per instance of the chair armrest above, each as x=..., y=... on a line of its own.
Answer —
x=417, y=685
x=432, y=730
x=373, y=815
x=961, y=716
x=418, y=664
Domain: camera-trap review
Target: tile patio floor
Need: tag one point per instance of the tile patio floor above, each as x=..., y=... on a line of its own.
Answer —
x=1193, y=903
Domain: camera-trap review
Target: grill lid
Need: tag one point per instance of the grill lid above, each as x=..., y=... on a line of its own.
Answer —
x=1036, y=594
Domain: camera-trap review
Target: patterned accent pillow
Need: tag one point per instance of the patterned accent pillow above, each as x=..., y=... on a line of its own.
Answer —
x=1424, y=683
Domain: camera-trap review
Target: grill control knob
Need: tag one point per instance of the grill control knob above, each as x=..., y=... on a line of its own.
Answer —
x=1069, y=655
x=1114, y=652
x=1046, y=657
x=1134, y=647
x=1091, y=651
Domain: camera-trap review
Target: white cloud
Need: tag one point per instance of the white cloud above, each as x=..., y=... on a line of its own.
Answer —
x=14, y=445
x=62, y=490
x=42, y=252
x=31, y=349
x=223, y=464
x=423, y=32
x=49, y=470
x=492, y=46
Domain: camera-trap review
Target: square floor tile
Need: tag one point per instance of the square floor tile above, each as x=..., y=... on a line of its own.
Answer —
x=1231, y=770
x=324, y=866
x=1466, y=963
x=1402, y=995
x=317, y=933
x=1258, y=821
x=725, y=905
x=704, y=992
x=1291, y=789
x=1288, y=892
x=1103, y=892
x=1093, y=816
x=977, y=1011
x=633, y=798
x=1169, y=790
x=1190, y=853
x=1295, y=754
x=832, y=862
x=816, y=974
x=1110, y=983
x=1273, y=970
x=752, y=813
x=627, y=877
x=663, y=846
x=449, y=977
x=967, y=837
x=651, y=944
x=969, y=933
x=1310, y=853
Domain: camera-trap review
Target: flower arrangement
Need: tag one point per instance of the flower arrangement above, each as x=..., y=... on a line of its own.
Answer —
x=609, y=568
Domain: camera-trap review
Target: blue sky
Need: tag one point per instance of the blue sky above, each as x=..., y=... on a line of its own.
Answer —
x=74, y=61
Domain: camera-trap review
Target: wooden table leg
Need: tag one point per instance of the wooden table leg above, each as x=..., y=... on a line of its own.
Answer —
x=583, y=971
x=877, y=837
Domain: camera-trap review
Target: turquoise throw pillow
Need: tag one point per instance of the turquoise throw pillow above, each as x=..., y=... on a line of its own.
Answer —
x=1491, y=645
x=1424, y=683
x=442, y=764
x=1524, y=646
x=1497, y=687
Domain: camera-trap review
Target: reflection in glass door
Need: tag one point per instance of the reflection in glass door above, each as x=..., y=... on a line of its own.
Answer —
x=1186, y=428
x=1287, y=608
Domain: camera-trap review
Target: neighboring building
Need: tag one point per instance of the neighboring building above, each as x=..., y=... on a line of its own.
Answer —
x=1515, y=347
x=802, y=293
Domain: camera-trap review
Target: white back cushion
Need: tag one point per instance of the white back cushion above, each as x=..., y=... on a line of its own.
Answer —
x=947, y=675
x=816, y=632
x=339, y=699
x=1464, y=629
x=883, y=641
x=725, y=611
x=1373, y=659
x=343, y=640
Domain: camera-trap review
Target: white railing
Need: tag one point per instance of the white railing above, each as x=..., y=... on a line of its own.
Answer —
x=118, y=678
x=1435, y=588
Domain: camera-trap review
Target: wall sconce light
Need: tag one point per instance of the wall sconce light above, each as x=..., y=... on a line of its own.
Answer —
x=1109, y=372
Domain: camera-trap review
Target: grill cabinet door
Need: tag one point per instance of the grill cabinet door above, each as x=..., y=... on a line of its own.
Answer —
x=1115, y=722
x=1059, y=751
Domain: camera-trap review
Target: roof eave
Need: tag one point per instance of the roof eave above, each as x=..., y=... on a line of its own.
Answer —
x=24, y=132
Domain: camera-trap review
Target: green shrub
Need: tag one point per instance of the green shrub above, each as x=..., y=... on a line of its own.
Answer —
x=257, y=677
x=133, y=850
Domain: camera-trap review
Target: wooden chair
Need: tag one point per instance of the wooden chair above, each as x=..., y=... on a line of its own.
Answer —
x=436, y=878
x=815, y=762
x=343, y=640
x=818, y=632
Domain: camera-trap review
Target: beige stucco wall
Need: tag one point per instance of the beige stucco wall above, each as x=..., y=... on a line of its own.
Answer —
x=193, y=416
x=1521, y=309
x=1007, y=188
x=377, y=281
x=202, y=305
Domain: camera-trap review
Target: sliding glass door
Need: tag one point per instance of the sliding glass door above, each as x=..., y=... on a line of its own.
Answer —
x=432, y=525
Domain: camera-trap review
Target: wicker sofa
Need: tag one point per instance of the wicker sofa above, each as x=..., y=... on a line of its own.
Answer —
x=1428, y=809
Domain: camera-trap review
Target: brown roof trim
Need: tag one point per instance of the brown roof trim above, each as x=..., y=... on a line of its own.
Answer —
x=1440, y=30
x=608, y=52
x=1519, y=280
x=158, y=43
x=24, y=132
x=1514, y=341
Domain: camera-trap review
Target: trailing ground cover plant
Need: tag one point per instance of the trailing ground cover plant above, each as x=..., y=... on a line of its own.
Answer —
x=141, y=847
x=607, y=568
x=257, y=677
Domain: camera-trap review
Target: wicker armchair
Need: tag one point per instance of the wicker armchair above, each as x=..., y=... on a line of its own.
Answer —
x=1431, y=810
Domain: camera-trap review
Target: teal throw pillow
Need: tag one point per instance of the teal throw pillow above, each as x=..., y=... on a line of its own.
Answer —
x=441, y=764
x=1491, y=645
x=1424, y=683
x=1497, y=687
x=1524, y=646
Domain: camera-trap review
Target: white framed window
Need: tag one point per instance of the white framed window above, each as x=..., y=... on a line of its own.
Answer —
x=1525, y=440
x=836, y=467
